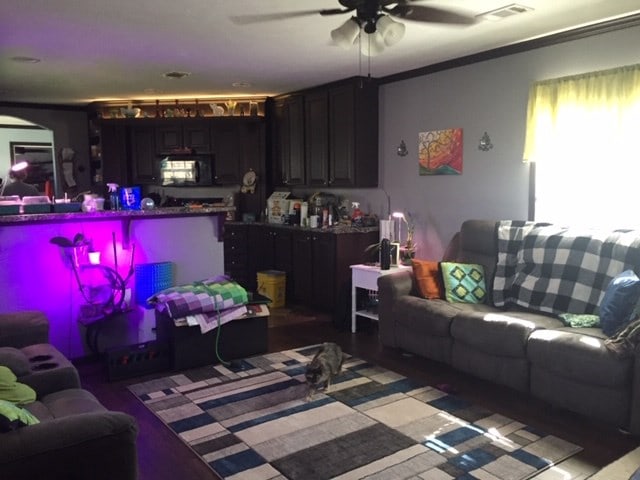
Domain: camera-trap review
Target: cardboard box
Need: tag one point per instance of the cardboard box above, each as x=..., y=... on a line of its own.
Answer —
x=277, y=205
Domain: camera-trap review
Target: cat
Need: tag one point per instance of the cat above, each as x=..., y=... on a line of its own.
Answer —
x=325, y=365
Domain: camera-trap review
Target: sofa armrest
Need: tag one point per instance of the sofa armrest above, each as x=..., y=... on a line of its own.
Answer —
x=391, y=287
x=100, y=446
x=20, y=329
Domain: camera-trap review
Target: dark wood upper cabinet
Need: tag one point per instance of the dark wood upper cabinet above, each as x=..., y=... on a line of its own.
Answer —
x=289, y=167
x=225, y=138
x=113, y=145
x=143, y=155
x=184, y=133
x=339, y=134
x=316, y=126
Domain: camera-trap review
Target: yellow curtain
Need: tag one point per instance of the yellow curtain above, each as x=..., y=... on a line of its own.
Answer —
x=579, y=107
x=582, y=132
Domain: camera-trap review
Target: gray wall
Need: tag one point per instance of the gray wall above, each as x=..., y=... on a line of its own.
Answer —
x=488, y=96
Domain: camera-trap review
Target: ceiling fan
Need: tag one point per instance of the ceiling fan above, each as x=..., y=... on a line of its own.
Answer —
x=373, y=18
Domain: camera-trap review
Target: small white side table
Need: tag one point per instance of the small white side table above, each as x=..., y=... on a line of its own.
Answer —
x=366, y=277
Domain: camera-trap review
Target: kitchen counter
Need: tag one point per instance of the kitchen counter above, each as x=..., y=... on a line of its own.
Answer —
x=162, y=212
x=336, y=229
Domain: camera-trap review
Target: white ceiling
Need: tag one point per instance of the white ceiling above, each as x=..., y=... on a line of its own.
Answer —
x=118, y=49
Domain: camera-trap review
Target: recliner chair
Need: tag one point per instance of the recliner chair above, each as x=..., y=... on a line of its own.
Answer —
x=77, y=437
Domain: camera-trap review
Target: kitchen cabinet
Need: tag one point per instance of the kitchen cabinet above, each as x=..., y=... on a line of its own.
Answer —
x=113, y=148
x=130, y=148
x=271, y=250
x=341, y=129
x=236, y=254
x=237, y=146
x=314, y=269
x=340, y=135
x=289, y=164
x=225, y=138
x=316, y=125
x=184, y=133
x=321, y=262
x=143, y=155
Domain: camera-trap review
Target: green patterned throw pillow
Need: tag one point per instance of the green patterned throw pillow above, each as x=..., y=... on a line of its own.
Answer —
x=463, y=282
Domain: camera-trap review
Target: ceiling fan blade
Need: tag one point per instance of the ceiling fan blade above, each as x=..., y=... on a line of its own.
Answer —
x=421, y=13
x=269, y=17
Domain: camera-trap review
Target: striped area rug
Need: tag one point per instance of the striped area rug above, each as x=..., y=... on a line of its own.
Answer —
x=252, y=422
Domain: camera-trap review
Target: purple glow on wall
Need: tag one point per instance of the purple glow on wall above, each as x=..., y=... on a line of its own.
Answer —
x=34, y=274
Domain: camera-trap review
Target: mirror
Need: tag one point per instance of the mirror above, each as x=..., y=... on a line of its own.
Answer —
x=22, y=138
x=39, y=155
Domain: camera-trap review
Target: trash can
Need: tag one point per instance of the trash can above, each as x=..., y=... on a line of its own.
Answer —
x=272, y=284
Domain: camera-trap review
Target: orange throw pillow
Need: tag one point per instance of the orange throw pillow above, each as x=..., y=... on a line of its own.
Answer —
x=427, y=273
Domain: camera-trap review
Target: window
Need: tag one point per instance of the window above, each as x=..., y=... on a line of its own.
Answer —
x=583, y=135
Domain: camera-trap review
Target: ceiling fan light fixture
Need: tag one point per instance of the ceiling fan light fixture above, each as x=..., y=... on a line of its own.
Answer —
x=346, y=33
x=371, y=44
x=390, y=30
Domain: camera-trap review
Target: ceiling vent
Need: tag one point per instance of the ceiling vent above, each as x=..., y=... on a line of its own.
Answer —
x=505, y=12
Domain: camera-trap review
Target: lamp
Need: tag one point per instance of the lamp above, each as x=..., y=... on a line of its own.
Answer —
x=390, y=30
x=346, y=33
x=399, y=216
x=17, y=167
x=375, y=33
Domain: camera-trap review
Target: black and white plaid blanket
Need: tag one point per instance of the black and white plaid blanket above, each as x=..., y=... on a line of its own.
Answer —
x=563, y=270
x=510, y=234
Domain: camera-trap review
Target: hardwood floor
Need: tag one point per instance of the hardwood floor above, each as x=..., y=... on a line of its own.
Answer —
x=163, y=456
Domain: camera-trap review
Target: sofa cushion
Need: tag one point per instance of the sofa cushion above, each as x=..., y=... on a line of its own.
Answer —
x=497, y=332
x=428, y=278
x=618, y=304
x=579, y=355
x=13, y=417
x=425, y=317
x=464, y=282
x=64, y=403
x=15, y=360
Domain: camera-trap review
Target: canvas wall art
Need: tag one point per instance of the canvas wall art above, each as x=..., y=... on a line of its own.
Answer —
x=440, y=152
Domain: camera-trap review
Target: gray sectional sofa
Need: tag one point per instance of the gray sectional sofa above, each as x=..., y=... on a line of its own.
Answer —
x=76, y=437
x=525, y=348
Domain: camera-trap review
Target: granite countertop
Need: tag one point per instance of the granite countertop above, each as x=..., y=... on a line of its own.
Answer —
x=336, y=229
x=162, y=212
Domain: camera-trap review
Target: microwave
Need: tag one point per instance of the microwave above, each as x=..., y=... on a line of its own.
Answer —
x=185, y=170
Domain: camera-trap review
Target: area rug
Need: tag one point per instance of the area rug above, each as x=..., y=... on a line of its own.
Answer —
x=252, y=421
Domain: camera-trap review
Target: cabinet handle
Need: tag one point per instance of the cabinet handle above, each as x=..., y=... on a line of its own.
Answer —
x=331, y=180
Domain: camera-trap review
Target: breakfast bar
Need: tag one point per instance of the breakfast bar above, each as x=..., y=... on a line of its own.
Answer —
x=35, y=275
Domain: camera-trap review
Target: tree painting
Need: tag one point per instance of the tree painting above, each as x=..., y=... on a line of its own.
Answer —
x=440, y=152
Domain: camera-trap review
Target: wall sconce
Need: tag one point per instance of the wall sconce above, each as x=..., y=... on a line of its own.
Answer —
x=402, y=149
x=485, y=143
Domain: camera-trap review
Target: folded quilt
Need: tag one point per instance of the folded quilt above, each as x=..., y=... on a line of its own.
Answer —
x=211, y=321
x=211, y=295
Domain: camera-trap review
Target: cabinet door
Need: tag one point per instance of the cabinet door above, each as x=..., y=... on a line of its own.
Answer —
x=302, y=266
x=143, y=155
x=195, y=135
x=289, y=141
x=341, y=136
x=169, y=137
x=235, y=253
x=113, y=145
x=316, y=128
x=226, y=149
x=323, y=271
x=282, y=256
